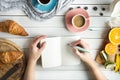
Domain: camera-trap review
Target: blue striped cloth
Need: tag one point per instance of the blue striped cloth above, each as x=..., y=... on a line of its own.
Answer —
x=27, y=7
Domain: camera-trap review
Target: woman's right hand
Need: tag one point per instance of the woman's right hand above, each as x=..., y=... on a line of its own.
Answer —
x=85, y=57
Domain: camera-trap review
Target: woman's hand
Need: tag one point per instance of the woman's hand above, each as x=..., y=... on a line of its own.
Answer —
x=85, y=57
x=35, y=51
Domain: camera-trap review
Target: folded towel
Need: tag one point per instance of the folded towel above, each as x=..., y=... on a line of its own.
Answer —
x=27, y=7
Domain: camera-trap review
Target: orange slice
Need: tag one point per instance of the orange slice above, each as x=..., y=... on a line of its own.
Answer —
x=110, y=48
x=114, y=36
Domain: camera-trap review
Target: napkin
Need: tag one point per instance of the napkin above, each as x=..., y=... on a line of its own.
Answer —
x=115, y=8
x=114, y=22
x=27, y=7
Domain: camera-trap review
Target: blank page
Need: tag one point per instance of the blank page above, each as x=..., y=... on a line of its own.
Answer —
x=68, y=56
x=51, y=56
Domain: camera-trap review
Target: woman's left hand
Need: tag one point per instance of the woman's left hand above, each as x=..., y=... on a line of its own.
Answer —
x=35, y=51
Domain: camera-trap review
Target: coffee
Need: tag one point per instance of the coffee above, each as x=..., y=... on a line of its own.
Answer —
x=78, y=21
x=44, y=1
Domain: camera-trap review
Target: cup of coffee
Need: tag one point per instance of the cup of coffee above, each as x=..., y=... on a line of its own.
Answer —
x=78, y=21
x=43, y=2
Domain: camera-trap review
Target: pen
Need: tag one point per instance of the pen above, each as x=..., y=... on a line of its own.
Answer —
x=79, y=48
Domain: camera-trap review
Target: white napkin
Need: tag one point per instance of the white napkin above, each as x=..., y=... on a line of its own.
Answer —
x=115, y=13
x=115, y=8
x=114, y=22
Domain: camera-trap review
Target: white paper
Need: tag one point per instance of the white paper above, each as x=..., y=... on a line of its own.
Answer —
x=68, y=56
x=57, y=52
x=51, y=56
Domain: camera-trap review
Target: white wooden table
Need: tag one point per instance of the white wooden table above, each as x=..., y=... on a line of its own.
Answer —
x=56, y=27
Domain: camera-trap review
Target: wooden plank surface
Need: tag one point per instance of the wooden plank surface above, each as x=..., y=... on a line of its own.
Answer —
x=56, y=27
x=73, y=75
x=53, y=23
x=92, y=1
x=24, y=42
x=90, y=10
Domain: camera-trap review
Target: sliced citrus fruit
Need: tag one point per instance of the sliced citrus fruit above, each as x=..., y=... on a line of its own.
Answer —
x=110, y=48
x=114, y=36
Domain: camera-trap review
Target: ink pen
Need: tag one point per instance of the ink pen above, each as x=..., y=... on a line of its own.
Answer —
x=79, y=48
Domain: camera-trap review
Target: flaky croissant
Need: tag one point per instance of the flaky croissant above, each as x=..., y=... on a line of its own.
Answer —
x=10, y=57
x=12, y=27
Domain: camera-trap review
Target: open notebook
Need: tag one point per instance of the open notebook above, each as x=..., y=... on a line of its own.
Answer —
x=58, y=53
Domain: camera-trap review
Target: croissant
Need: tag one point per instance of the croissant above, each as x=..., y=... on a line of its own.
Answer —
x=1, y=64
x=10, y=57
x=12, y=27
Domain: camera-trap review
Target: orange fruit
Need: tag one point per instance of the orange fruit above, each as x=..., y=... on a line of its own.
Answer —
x=110, y=48
x=114, y=36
